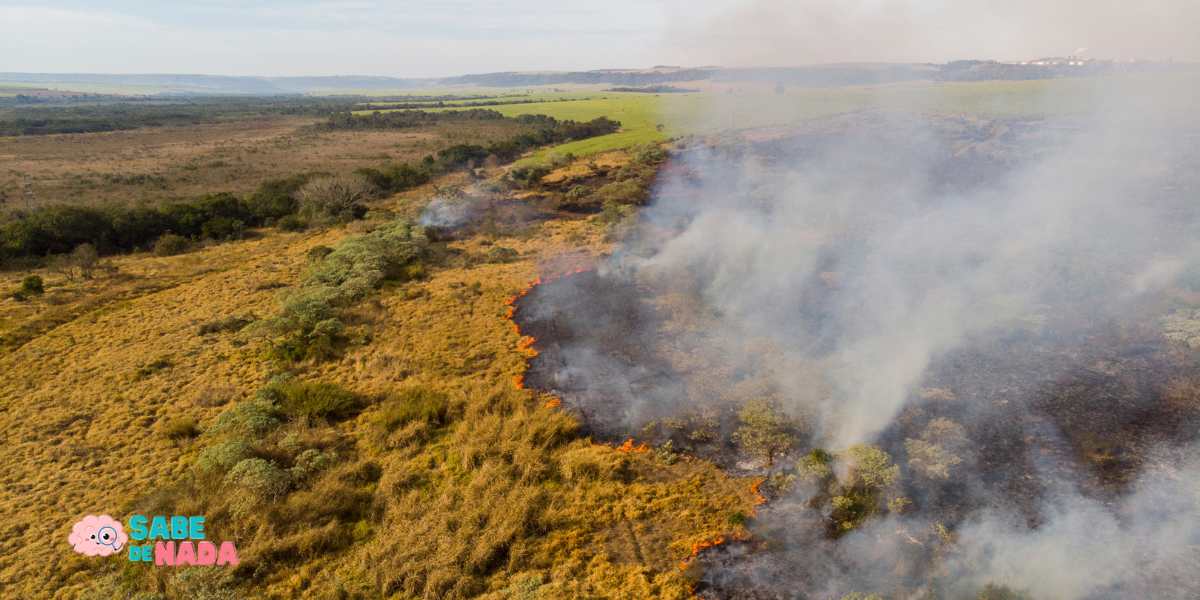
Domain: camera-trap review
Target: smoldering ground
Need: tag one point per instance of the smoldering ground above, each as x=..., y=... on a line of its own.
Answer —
x=983, y=299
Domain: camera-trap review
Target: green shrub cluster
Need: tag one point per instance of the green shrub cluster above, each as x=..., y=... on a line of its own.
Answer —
x=31, y=285
x=298, y=399
x=307, y=326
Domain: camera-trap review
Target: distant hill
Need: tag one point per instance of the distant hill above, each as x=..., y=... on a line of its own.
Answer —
x=816, y=75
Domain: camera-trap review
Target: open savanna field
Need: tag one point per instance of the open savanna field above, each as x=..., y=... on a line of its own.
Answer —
x=154, y=164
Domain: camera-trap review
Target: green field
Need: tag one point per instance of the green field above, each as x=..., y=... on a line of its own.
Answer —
x=653, y=118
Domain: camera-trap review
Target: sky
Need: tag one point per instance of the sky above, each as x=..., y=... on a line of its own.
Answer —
x=428, y=38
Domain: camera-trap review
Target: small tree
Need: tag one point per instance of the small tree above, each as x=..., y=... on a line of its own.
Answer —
x=935, y=453
x=81, y=262
x=336, y=199
x=32, y=285
x=765, y=432
x=860, y=493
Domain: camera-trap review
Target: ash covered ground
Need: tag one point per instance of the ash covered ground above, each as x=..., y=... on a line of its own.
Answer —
x=946, y=342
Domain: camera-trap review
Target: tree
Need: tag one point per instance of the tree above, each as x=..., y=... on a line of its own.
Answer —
x=935, y=453
x=765, y=432
x=861, y=493
x=336, y=199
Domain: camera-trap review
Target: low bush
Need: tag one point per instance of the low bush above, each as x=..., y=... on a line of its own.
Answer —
x=180, y=428
x=230, y=324
x=223, y=228
x=169, y=244
x=501, y=254
x=251, y=418
x=253, y=482
x=31, y=285
x=291, y=223
x=529, y=176
x=300, y=399
x=221, y=456
x=416, y=404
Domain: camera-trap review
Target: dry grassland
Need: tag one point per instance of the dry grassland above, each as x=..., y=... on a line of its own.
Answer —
x=108, y=363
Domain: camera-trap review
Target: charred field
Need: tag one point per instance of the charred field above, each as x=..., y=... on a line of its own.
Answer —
x=937, y=394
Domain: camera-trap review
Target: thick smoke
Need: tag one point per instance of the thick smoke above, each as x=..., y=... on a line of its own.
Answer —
x=878, y=269
x=935, y=230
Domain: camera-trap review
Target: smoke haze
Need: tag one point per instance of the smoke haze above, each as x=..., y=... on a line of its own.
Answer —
x=819, y=31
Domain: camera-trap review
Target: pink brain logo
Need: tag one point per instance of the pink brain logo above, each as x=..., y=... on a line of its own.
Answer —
x=98, y=536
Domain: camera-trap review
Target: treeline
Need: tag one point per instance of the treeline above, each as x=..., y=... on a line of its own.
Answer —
x=59, y=229
x=496, y=101
x=290, y=203
x=130, y=114
x=544, y=131
x=402, y=119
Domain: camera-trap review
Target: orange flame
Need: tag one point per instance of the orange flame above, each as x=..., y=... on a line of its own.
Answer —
x=699, y=547
x=628, y=447
x=526, y=342
x=553, y=403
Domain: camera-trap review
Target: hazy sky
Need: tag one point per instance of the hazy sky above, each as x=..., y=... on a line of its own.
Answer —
x=431, y=37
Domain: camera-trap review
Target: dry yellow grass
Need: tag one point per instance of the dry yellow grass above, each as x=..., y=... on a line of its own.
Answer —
x=82, y=403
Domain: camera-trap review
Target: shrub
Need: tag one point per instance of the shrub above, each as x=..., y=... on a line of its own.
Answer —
x=251, y=418
x=416, y=404
x=32, y=285
x=310, y=462
x=308, y=325
x=223, y=228
x=255, y=481
x=232, y=323
x=816, y=465
x=169, y=244
x=317, y=253
x=529, y=176
x=630, y=191
x=501, y=254
x=649, y=154
x=221, y=456
x=275, y=199
x=291, y=223
x=334, y=199
x=361, y=263
x=180, y=428
x=312, y=400
x=577, y=193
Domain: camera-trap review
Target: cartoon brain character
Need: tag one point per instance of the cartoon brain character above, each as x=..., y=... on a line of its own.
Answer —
x=98, y=536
